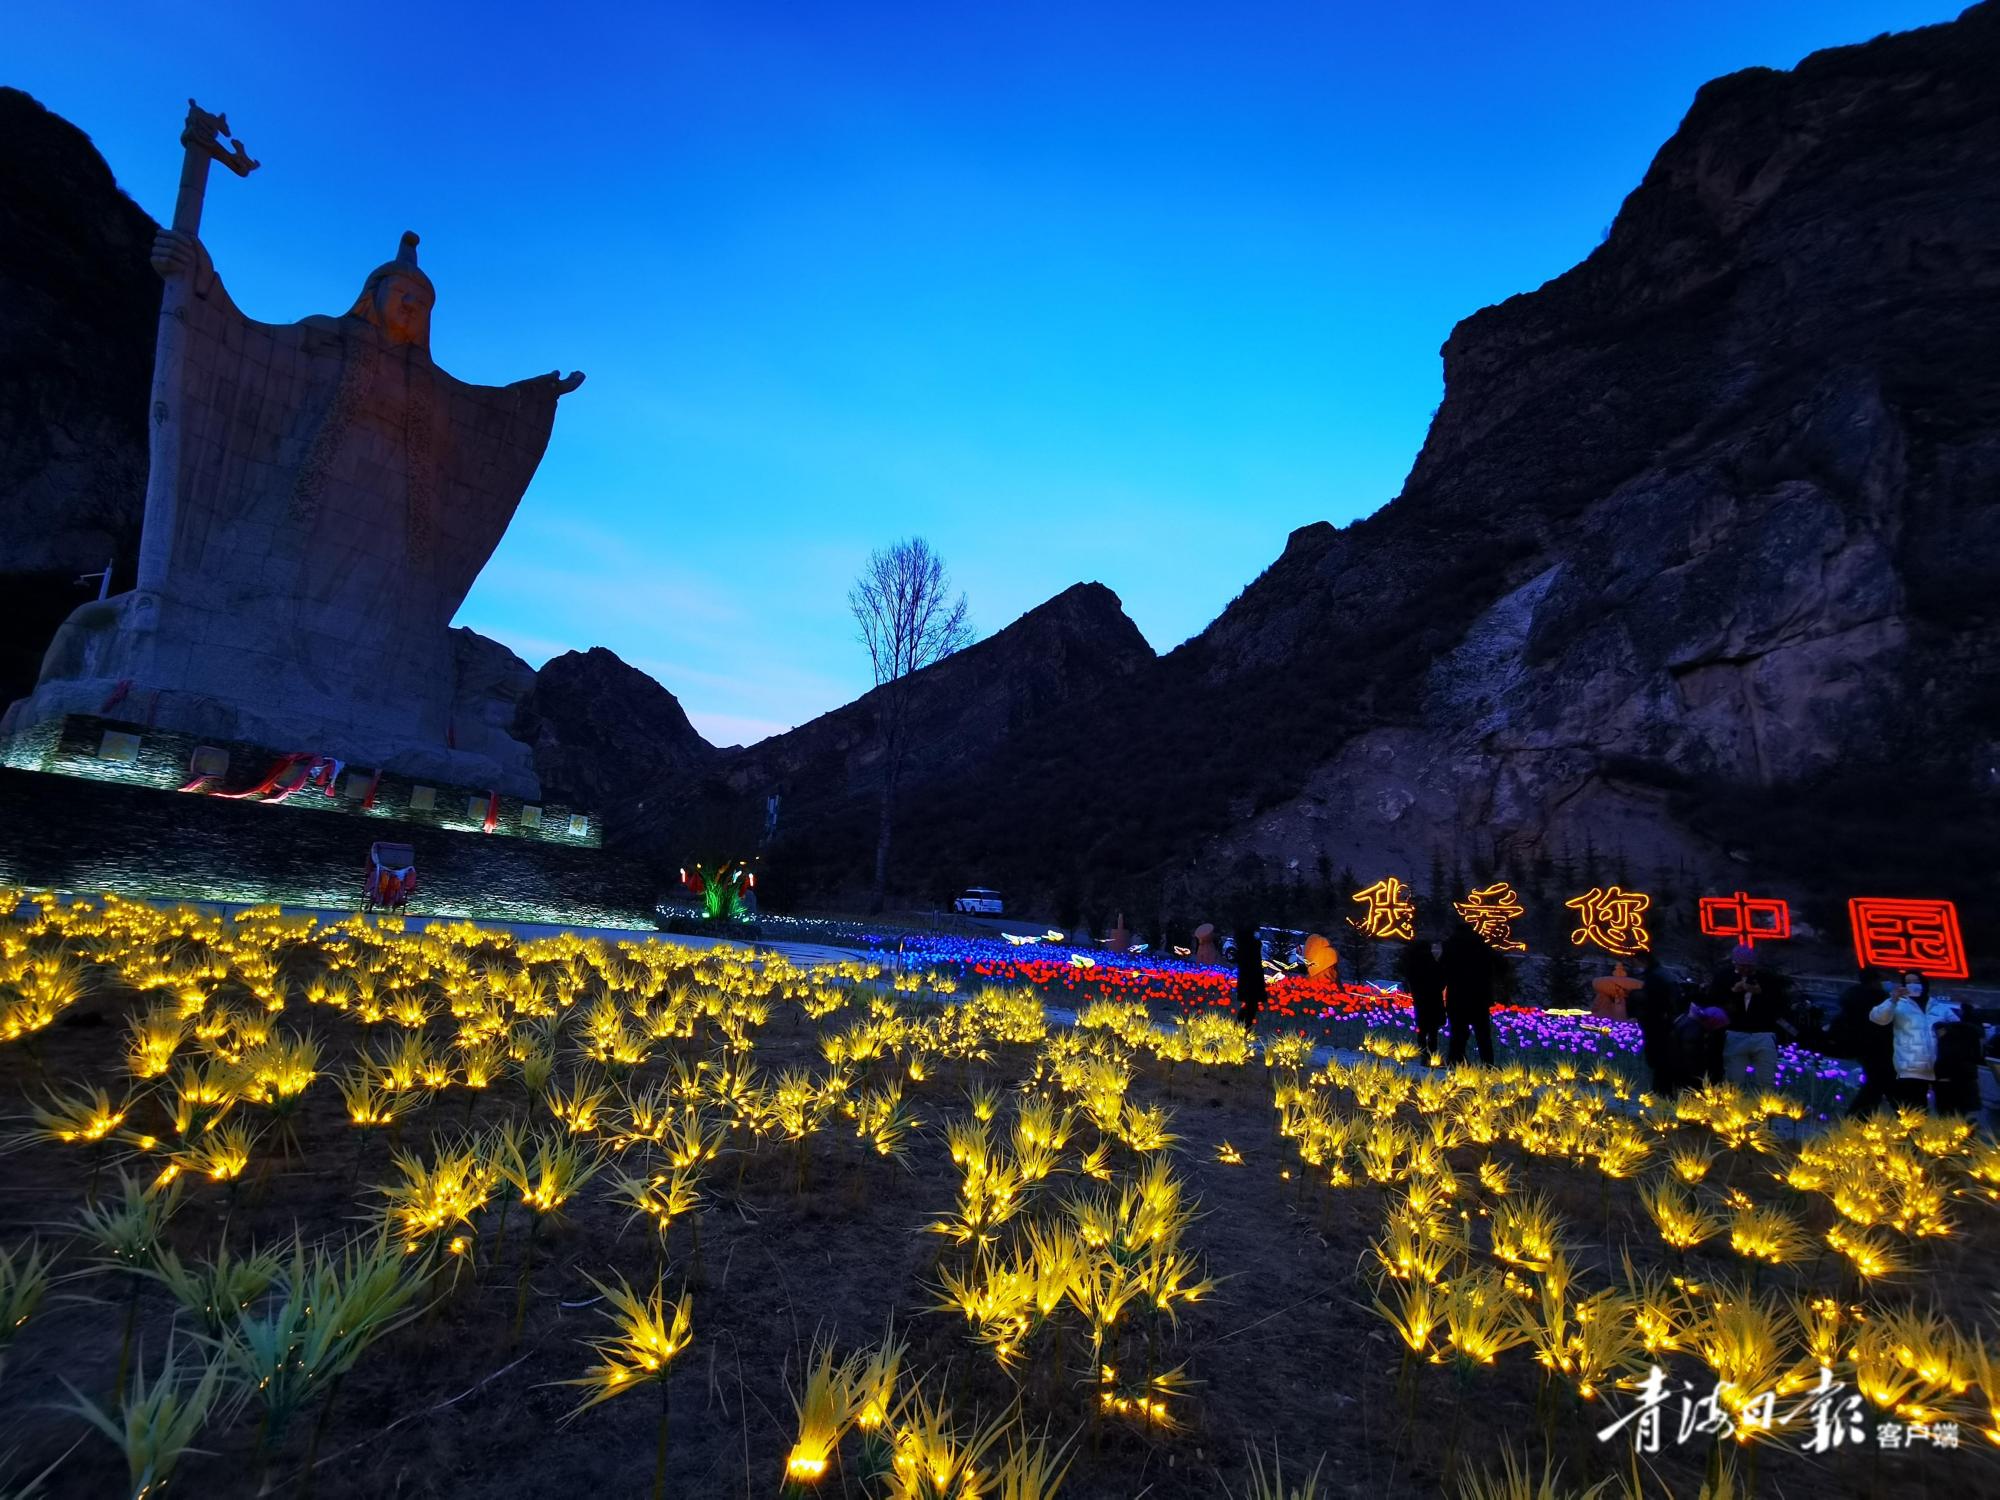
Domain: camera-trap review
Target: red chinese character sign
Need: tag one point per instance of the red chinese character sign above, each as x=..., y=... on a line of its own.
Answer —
x=1490, y=912
x=1748, y=919
x=1612, y=918
x=1921, y=935
x=1387, y=910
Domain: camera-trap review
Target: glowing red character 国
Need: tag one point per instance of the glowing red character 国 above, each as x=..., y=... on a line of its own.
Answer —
x=1893, y=933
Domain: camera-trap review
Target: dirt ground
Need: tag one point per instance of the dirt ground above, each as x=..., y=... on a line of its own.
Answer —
x=1287, y=1350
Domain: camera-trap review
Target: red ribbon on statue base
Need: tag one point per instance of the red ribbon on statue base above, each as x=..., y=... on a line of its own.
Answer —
x=319, y=771
x=285, y=766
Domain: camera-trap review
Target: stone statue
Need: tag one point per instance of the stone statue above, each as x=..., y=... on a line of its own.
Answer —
x=320, y=499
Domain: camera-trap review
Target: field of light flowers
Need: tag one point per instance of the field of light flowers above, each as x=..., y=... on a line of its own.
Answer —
x=347, y=1209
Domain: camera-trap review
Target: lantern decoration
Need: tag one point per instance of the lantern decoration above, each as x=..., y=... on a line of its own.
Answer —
x=1612, y=918
x=1747, y=919
x=1321, y=956
x=1490, y=912
x=1920, y=935
x=392, y=876
x=1388, y=910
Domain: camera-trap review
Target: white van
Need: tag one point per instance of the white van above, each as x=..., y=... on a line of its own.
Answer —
x=978, y=900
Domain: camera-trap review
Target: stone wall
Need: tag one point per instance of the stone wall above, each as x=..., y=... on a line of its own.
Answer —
x=133, y=754
x=68, y=833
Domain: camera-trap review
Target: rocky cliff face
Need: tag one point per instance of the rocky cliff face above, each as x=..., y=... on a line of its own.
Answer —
x=1743, y=464
x=78, y=304
x=1698, y=551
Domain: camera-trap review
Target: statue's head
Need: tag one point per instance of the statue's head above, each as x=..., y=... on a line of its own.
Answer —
x=397, y=298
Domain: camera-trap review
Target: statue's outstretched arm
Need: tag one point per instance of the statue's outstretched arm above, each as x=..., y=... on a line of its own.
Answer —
x=562, y=383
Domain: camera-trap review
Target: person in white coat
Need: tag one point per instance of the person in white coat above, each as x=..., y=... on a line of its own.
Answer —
x=1914, y=1017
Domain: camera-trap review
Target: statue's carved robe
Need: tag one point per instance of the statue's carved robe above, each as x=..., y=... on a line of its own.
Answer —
x=337, y=497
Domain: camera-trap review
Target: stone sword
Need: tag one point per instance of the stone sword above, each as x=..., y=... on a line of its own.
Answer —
x=201, y=140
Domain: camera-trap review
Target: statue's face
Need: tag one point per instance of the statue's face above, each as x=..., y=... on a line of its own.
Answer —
x=403, y=309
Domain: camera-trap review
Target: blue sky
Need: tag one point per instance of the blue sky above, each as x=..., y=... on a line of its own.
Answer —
x=1077, y=291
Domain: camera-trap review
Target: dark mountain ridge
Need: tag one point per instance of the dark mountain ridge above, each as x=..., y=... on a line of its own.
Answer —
x=603, y=732
x=1054, y=661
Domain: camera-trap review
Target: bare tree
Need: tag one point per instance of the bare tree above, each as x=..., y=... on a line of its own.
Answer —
x=908, y=619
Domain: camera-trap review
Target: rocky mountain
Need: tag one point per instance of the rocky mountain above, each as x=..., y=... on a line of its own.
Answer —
x=1693, y=574
x=1055, y=661
x=78, y=304
x=604, y=734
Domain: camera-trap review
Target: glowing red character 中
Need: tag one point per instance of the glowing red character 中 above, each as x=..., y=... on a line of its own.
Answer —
x=1748, y=919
